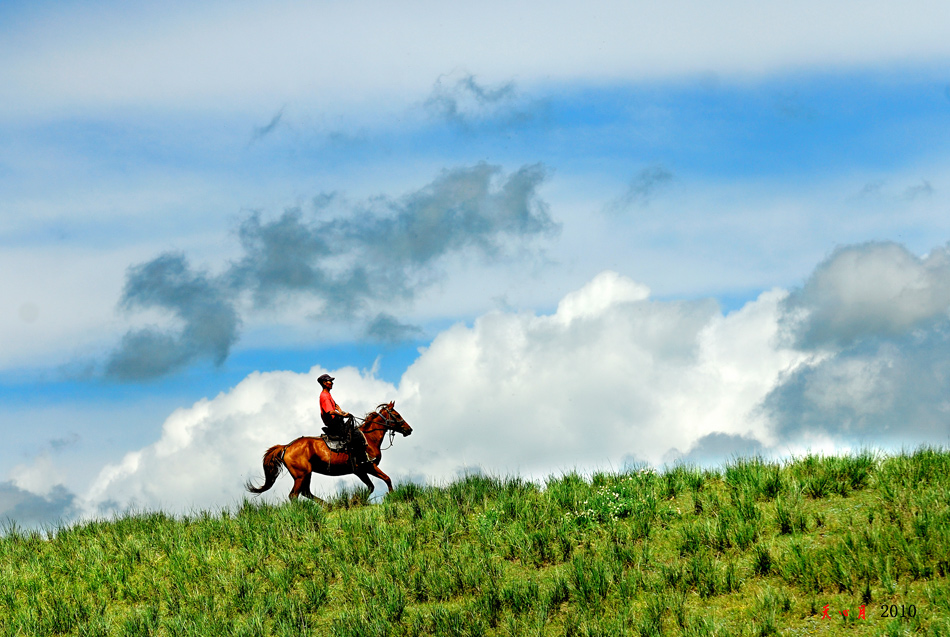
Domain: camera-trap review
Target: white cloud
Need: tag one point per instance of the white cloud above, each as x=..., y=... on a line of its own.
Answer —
x=626, y=378
x=608, y=289
x=611, y=376
x=207, y=451
x=40, y=476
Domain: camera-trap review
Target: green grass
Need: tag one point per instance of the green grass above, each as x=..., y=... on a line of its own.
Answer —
x=756, y=549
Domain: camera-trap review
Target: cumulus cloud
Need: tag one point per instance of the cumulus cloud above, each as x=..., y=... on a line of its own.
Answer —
x=611, y=376
x=387, y=249
x=893, y=392
x=358, y=264
x=876, y=318
x=462, y=208
x=712, y=449
x=30, y=510
x=868, y=290
x=282, y=256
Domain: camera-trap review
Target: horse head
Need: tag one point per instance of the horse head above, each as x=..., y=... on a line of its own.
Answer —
x=391, y=419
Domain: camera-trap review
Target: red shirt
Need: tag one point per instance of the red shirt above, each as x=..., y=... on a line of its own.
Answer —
x=327, y=404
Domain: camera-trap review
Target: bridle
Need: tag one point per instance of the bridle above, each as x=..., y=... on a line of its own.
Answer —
x=389, y=423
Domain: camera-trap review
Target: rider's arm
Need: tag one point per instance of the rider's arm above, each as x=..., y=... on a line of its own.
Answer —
x=326, y=402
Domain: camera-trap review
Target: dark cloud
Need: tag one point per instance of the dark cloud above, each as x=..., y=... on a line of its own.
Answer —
x=876, y=191
x=891, y=391
x=58, y=444
x=280, y=256
x=459, y=99
x=871, y=290
x=28, y=510
x=923, y=189
x=462, y=208
x=386, y=328
x=878, y=316
x=872, y=189
x=642, y=188
x=263, y=131
x=206, y=310
x=359, y=260
x=385, y=249
x=717, y=448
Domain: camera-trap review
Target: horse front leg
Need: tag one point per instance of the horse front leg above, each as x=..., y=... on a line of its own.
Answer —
x=382, y=476
x=369, y=483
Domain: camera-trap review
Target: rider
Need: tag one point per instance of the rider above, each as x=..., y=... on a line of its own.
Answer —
x=338, y=423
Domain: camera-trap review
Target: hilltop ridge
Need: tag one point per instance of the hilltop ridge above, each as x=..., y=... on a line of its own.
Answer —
x=753, y=548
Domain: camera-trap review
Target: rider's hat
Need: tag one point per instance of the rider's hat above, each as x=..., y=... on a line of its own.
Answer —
x=324, y=378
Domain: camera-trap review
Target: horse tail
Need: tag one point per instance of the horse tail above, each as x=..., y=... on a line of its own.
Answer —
x=273, y=465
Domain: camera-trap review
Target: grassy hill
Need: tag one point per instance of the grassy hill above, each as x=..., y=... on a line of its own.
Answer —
x=751, y=549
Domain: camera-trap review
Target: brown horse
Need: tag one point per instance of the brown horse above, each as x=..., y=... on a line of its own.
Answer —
x=307, y=455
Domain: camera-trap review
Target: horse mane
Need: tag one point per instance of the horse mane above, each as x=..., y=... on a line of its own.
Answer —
x=375, y=412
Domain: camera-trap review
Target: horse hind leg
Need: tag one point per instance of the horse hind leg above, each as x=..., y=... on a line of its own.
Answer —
x=302, y=488
x=305, y=490
x=301, y=485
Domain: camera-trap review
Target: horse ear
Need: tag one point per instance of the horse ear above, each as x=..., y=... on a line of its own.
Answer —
x=392, y=403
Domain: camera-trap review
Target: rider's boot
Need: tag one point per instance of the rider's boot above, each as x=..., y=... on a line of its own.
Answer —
x=357, y=446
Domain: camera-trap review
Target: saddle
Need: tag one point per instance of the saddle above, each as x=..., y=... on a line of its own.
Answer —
x=346, y=442
x=337, y=432
x=334, y=443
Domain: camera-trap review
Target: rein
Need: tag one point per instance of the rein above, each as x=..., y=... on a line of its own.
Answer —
x=386, y=421
x=392, y=434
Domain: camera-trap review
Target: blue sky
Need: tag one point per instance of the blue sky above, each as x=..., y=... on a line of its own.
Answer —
x=200, y=203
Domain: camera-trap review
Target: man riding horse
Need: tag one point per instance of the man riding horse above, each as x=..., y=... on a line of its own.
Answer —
x=307, y=455
x=338, y=424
